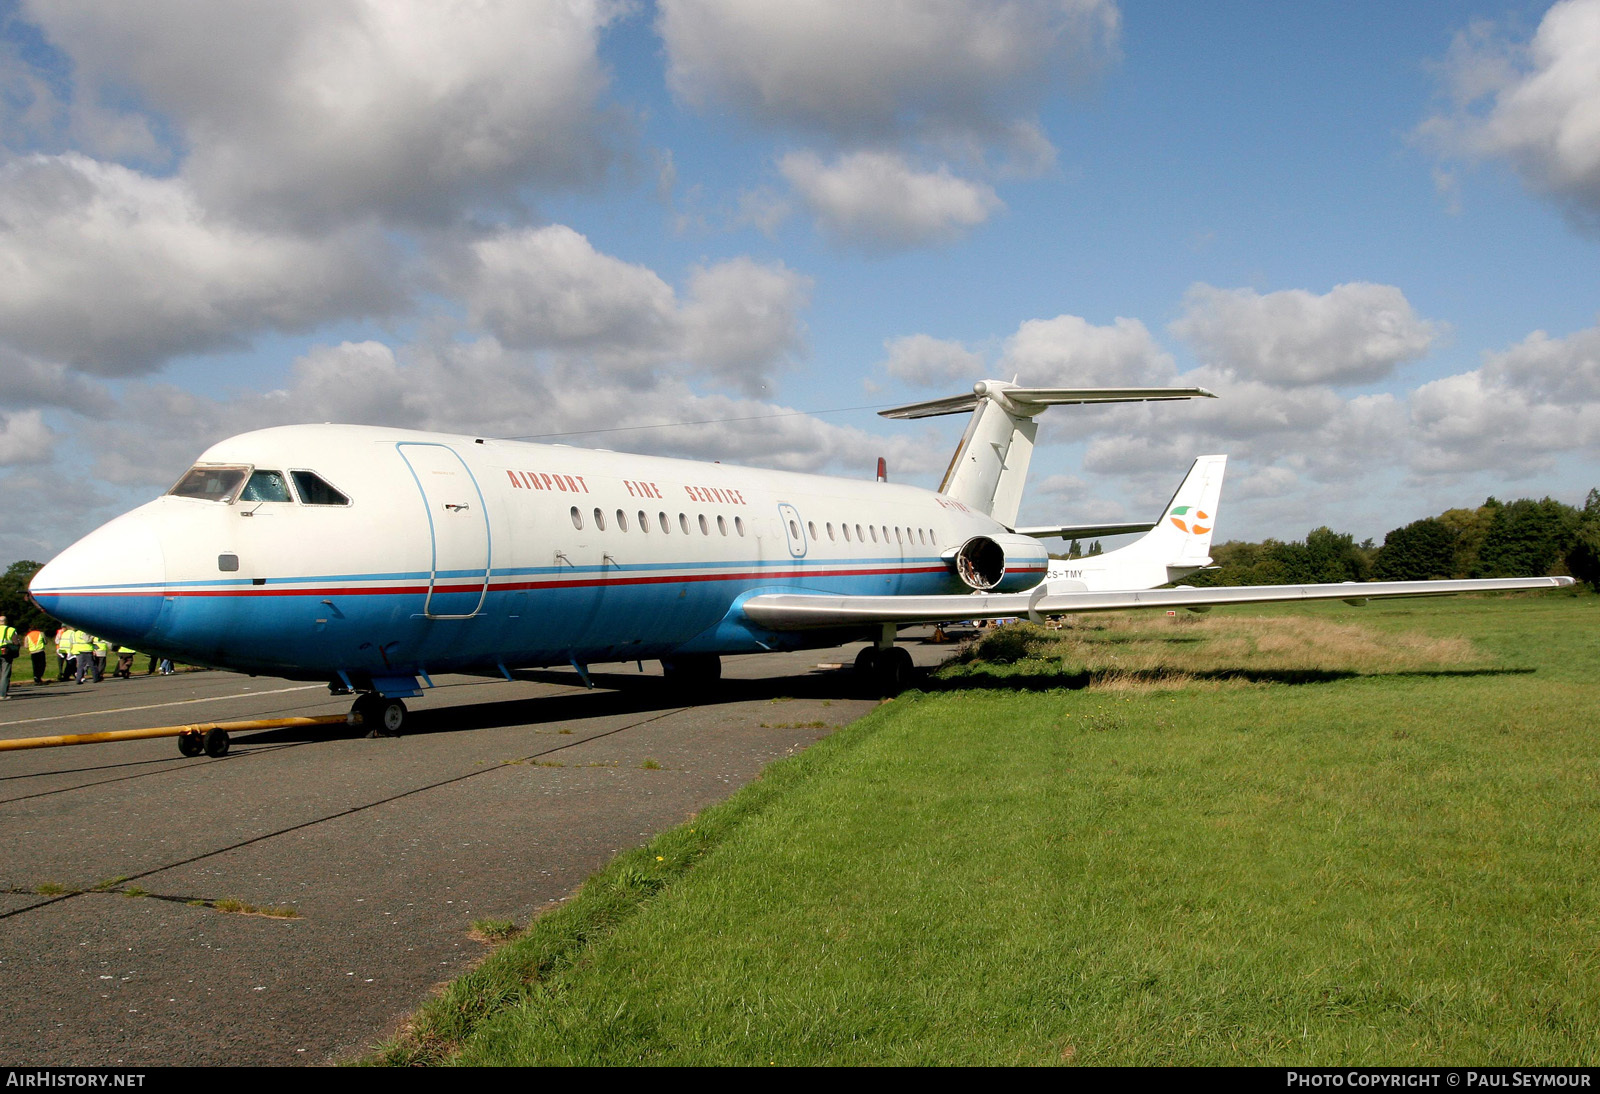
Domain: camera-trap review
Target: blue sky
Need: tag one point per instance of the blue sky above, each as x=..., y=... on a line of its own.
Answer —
x=1370, y=228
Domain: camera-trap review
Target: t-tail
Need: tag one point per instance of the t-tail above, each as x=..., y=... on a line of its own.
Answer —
x=1177, y=545
x=990, y=464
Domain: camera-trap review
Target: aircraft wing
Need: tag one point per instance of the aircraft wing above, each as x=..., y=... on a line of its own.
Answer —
x=801, y=611
x=1083, y=531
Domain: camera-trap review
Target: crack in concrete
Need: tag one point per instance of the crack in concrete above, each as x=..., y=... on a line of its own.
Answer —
x=226, y=905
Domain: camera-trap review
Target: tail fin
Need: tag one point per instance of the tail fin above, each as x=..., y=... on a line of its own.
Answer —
x=1176, y=547
x=990, y=464
x=1183, y=537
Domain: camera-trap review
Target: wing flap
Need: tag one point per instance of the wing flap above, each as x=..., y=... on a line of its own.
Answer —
x=804, y=611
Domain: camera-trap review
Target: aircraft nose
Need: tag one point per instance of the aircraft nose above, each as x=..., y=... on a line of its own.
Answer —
x=109, y=583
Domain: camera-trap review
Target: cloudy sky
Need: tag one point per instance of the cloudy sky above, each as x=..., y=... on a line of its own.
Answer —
x=730, y=229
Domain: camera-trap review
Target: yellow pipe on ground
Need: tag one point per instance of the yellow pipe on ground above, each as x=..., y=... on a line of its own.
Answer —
x=166, y=731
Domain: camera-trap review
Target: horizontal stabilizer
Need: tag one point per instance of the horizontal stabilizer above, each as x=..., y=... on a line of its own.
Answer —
x=1084, y=531
x=795, y=611
x=1028, y=401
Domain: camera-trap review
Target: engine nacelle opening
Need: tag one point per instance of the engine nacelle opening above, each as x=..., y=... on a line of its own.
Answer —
x=1000, y=564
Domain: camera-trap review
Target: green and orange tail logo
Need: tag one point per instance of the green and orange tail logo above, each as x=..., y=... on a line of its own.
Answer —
x=1185, y=523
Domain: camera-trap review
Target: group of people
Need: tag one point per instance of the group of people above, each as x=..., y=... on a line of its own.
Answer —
x=78, y=653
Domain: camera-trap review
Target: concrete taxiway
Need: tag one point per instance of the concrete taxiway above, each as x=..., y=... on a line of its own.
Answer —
x=498, y=800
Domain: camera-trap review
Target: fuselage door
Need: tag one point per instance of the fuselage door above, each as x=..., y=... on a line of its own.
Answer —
x=458, y=524
x=795, y=531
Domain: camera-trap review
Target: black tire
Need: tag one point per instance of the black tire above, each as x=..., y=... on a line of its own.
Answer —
x=896, y=672
x=190, y=743
x=389, y=717
x=692, y=670
x=866, y=661
x=867, y=684
x=216, y=742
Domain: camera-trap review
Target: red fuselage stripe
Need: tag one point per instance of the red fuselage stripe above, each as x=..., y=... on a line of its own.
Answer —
x=497, y=586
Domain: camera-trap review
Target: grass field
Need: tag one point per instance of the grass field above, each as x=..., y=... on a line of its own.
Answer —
x=1309, y=835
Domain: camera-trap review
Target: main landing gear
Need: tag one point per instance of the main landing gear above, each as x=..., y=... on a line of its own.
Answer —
x=379, y=716
x=692, y=670
x=884, y=672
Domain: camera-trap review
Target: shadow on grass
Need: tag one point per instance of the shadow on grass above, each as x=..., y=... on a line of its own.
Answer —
x=625, y=694
x=981, y=679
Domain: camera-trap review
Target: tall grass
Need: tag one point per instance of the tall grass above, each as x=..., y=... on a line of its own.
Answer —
x=1392, y=864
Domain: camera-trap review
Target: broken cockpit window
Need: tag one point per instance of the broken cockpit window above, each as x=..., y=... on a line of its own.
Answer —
x=210, y=483
x=266, y=486
x=314, y=490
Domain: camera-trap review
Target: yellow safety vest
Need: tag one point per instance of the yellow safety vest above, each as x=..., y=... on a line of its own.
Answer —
x=35, y=642
x=82, y=643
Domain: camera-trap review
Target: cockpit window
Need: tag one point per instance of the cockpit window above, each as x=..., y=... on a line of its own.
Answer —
x=314, y=490
x=210, y=483
x=266, y=486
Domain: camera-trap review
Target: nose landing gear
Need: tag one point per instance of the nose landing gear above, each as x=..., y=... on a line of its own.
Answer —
x=379, y=716
x=213, y=742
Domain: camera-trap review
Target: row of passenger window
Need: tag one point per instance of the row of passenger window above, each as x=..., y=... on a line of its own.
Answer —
x=662, y=522
x=901, y=535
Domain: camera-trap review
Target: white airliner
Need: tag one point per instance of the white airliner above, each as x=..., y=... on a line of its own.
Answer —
x=376, y=558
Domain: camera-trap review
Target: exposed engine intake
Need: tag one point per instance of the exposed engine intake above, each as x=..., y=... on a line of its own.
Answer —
x=1000, y=564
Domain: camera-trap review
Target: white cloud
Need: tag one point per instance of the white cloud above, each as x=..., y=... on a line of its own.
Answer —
x=28, y=381
x=113, y=271
x=1551, y=370
x=763, y=209
x=885, y=69
x=24, y=438
x=484, y=389
x=1069, y=351
x=1535, y=104
x=324, y=110
x=1356, y=333
x=742, y=319
x=1470, y=423
x=1517, y=413
x=48, y=508
x=925, y=361
x=549, y=289
x=1137, y=451
x=1265, y=482
x=876, y=201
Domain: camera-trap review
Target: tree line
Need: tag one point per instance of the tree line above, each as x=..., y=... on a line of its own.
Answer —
x=1523, y=538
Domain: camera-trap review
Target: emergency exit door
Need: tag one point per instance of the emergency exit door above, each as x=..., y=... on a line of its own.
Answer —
x=458, y=526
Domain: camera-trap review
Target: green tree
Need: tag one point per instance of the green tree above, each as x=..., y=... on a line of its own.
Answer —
x=1333, y=556
x=1583, y=556
x=1469, y=526
x=1527, y=539
x=21, y=612
x=1422, y=550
